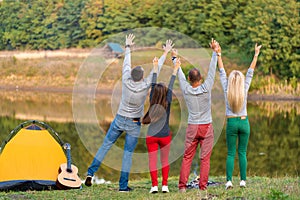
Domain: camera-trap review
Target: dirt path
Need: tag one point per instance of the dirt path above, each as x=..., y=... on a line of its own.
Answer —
x=80, y=53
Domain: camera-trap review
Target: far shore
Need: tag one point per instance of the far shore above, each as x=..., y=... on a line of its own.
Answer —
x=44, y=89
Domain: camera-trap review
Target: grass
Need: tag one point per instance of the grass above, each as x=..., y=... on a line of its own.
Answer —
x=257, y=188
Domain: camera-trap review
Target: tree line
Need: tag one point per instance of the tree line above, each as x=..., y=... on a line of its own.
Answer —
x=236, y=24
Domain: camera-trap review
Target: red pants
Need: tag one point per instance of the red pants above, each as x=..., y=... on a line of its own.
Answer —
x=164, y=144
x=195, y=134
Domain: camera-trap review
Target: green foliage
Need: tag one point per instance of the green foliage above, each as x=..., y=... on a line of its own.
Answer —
x=90, y=22
x=236, y=24
x=68, y=24
x=10, y=22
x=275, y=25
x=275, y=194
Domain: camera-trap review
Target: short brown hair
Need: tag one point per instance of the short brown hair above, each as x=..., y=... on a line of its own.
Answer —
x=137, y=73
x=194, y=75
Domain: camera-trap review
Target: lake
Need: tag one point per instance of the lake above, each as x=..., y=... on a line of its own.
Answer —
x=273, y=148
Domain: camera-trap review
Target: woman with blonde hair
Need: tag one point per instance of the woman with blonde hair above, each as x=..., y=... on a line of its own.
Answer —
x=235, y=91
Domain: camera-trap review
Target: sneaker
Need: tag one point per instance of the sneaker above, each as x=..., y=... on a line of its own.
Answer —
x=88, y=181
x=182, y=190
x=154, y=190
x=165, y=189
x=243, y=183
x=228, y=185
x=128, y=189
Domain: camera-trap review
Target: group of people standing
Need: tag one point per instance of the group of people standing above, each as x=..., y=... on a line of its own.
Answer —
x=197, y=95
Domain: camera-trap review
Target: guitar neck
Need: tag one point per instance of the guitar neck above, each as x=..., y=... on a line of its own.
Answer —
x=67, y=146
x=69, y=160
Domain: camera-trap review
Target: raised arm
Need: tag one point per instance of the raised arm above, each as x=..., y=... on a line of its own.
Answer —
x=171, y=83
x=167, y=47
x=127, y=59
x=154, y=77
x=209, y=81
x=183, y=83
x=220, y=62
x=250, y=71
x=257, y=50
x=223, y=77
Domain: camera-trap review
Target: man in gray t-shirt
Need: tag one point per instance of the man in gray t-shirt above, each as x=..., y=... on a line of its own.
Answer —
x=131, y=109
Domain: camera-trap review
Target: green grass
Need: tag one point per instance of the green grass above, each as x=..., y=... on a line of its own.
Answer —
x=257, y=188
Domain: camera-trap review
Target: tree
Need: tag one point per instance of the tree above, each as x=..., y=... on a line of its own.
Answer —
x=275, y=25
x=10, y=33
x=38, y=24
x=91, y=24
x=69, y=31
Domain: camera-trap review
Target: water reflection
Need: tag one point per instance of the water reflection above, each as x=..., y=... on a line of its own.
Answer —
x=273, y=147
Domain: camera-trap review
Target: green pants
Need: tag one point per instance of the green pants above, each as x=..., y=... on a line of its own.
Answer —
x=237, y=128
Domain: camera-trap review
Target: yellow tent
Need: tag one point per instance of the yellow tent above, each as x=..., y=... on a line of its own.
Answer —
x=30, y=157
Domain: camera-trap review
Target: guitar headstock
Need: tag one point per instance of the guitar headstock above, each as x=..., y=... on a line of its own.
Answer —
x=67, y=146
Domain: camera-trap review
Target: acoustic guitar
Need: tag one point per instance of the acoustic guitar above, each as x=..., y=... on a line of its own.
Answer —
x=68, y=177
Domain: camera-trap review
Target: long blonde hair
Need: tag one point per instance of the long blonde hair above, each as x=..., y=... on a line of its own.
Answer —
x=236, y=91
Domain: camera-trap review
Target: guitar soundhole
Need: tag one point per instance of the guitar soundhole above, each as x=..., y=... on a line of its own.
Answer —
x=69, y=170
x=69, y=179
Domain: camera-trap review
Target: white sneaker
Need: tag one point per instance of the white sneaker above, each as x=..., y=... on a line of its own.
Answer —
x=228, y=185
x=154, y=190
x=243, y=183
x=165, y=189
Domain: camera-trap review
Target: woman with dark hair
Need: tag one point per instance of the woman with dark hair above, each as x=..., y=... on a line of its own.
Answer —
x=159, y=134
x=236, y=88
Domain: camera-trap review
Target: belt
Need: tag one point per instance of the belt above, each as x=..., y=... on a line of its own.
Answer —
x=133, y=119
x=239, y=117
x=136, y=119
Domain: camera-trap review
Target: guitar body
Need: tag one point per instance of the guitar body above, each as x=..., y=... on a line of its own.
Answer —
x=68, y=177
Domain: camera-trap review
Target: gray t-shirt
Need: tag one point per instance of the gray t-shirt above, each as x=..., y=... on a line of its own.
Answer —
x=134, y=93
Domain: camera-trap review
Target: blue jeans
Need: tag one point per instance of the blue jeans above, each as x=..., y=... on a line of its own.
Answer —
x=117, y=127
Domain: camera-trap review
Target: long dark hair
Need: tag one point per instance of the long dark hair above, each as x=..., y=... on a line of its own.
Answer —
x=158, y=104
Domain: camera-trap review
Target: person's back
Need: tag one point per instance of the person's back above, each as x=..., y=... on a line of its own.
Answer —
x=159, y=134
x=197, y=96
x=198, y=101
x=237, y=124
x=134, y=88
x=131, y=109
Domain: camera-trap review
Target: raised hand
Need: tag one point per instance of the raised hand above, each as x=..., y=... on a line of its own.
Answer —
x=169, y=45
x=155, y=64
x=214, y=45
x=174, y=53
x=218, y=49
x=257, y=49
x=129, y=39
x=176, y=66
x=178, y=63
